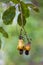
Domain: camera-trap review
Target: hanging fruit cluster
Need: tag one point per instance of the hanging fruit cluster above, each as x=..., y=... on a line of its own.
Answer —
x=23, y=47
x=9, y=15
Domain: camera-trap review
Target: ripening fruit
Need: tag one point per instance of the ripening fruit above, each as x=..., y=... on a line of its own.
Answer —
x=27, y=49
x=20, y=46
x=27, y=52
x=21, y=51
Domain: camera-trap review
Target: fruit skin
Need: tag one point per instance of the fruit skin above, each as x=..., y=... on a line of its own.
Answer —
x=27, y=52
x=27, y=48
x=21, y=51
x=20, y=46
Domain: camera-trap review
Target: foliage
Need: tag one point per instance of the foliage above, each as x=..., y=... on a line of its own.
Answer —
x=34, y=27
x=10, y=12
x=9, y=15
x=31, y=26
x=3, y=32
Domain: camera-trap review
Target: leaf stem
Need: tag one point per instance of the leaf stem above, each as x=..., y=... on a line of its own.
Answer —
x=21, y=14
x=0, y=43
x=22, y=22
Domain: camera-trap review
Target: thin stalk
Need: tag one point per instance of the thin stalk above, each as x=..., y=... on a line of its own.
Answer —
x=21, y=14
x=22, y=22
x=26, y=34
x=0, y=43
x=21, y=31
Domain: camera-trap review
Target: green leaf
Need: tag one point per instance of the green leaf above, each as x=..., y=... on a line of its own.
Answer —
x=15, y=1
x=9, y=15
x=20, y=20
x=25, y=9
x=34, y=7
x=29, y=4
x=5, y=1
x=3, y=32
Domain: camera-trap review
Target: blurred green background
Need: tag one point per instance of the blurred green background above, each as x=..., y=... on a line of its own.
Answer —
x=9, y=54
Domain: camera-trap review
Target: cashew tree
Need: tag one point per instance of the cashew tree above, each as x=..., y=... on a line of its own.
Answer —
x=24, y=9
